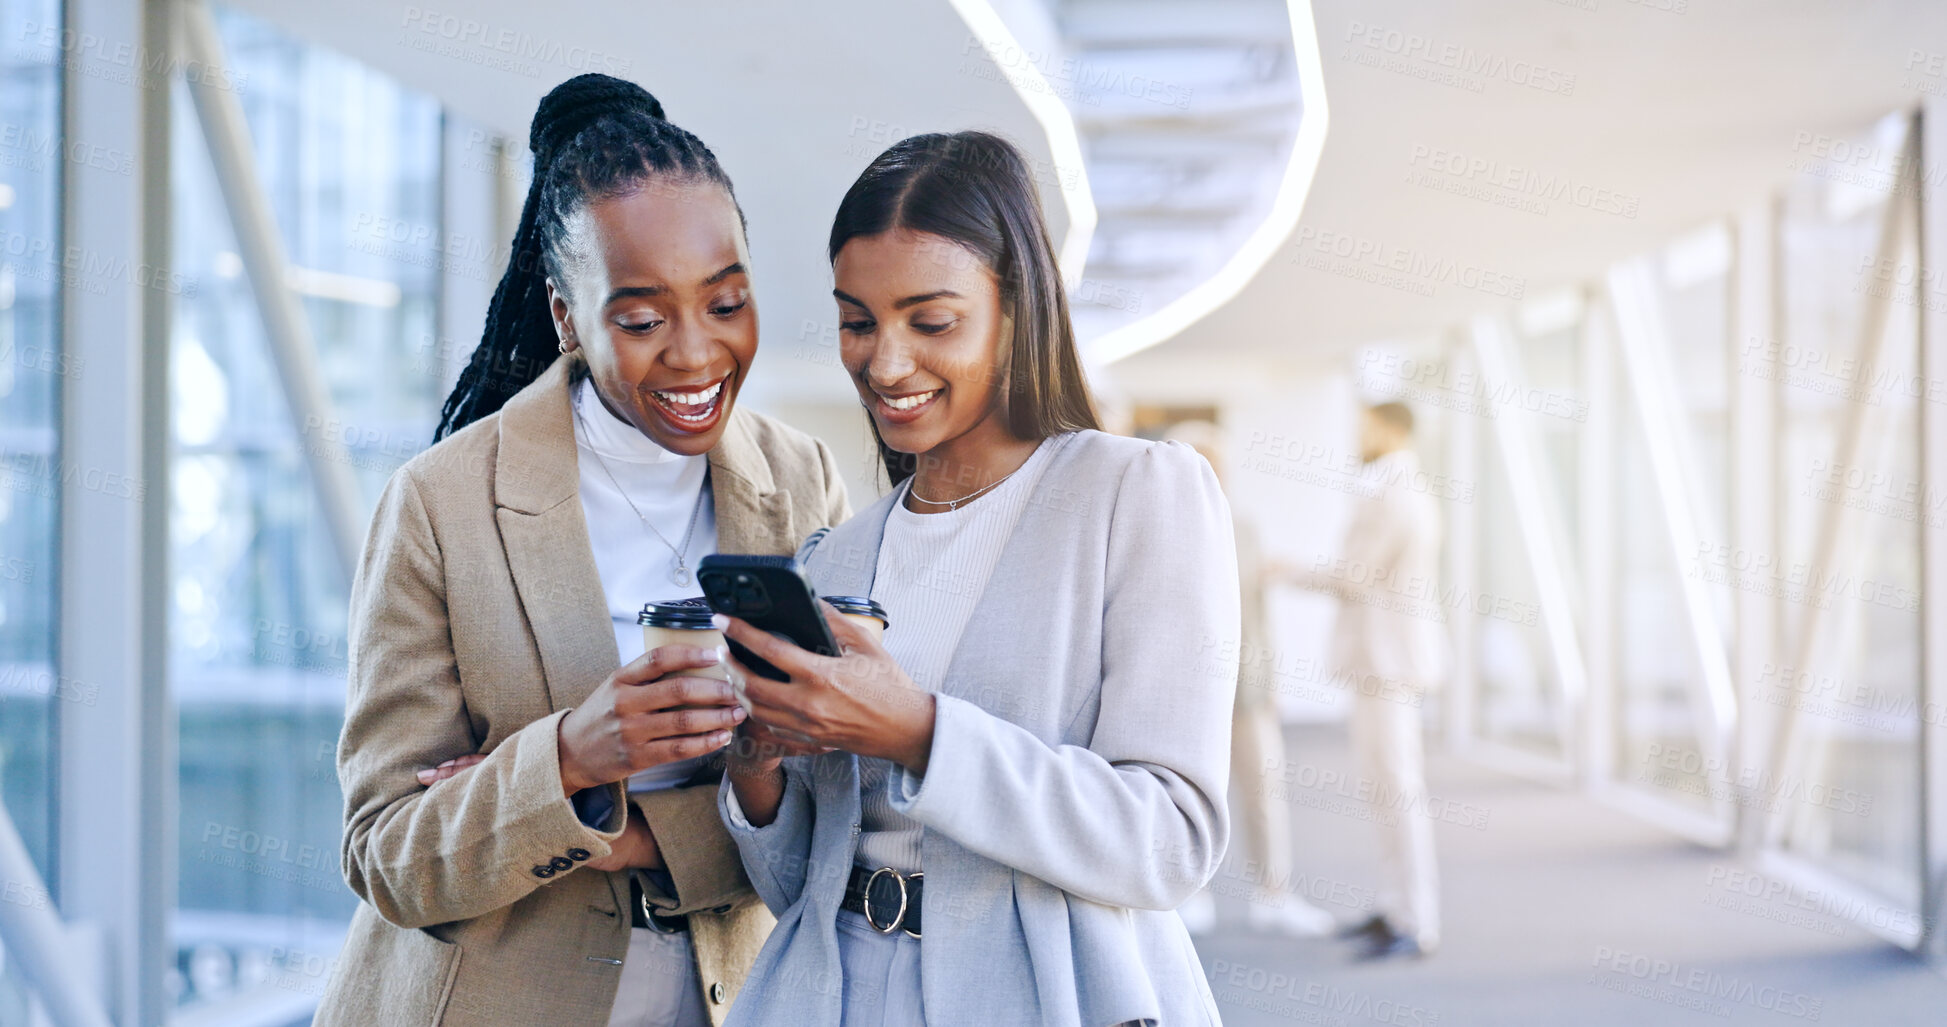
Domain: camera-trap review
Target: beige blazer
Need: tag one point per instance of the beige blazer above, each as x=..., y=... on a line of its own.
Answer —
x=1387, y=579
x=477, y=621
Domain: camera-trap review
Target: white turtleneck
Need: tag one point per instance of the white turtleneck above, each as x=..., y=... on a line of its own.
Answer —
x=634, y=565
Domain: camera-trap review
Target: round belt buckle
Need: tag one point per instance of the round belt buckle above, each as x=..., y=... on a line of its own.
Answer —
x=893, y=924
x=912, y=878
x=657, y=923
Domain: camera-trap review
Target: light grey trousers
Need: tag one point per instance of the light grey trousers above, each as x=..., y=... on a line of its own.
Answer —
x=659, y=983
x=881, y=975
x=1386, y=742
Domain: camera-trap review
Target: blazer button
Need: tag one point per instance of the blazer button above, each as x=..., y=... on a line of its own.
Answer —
x=560, y=863
x=716, y=992
x=578, y=855
x=544, y=872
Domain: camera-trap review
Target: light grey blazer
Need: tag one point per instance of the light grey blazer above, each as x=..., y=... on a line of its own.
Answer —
x=1075, y=793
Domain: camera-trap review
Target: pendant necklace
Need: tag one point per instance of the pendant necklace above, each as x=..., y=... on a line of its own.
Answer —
x=681, y=575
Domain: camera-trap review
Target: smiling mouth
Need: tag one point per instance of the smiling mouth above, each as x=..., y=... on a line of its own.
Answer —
x=901, y=410
x=908, y=403
x=691, y=408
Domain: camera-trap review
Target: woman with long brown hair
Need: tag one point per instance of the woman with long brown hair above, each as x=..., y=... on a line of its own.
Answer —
x=995, y=812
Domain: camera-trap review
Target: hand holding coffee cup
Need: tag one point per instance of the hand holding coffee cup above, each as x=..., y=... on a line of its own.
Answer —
x=654, y=710
x=683, y=622
x=863, y=611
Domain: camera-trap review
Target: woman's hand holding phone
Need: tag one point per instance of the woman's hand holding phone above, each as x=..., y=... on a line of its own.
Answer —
x=861, y=702
x=646, y=714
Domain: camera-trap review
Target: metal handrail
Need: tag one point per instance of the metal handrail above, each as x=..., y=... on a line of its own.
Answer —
x=293, y=350
x=35, y=939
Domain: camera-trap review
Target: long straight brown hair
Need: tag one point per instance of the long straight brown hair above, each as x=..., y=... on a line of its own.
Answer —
x=974, y=189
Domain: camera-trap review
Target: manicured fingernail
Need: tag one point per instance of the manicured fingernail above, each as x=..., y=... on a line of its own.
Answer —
x=426, y=776
x=448, y=763
x=738, y=714
x=710, y=655
x=721, y=738
x=719, y=621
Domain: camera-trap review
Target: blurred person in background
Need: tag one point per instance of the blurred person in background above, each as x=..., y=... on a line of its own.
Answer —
x=1389, y=651
x=1257, y=742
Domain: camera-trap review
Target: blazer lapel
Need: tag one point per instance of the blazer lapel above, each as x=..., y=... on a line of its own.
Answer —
x=753, y=513
x=846, y=562
x=537, y=492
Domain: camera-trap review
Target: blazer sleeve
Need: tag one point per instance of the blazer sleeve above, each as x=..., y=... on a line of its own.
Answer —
x=1136, y=818
x=702, y=859
x=777, y=856
x=469, y=844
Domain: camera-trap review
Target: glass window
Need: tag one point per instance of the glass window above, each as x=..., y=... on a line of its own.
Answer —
x=32, y=370
x=1857, y=699
x=1694, y=280
x=1662, y=718
x=351, y=163
x=1659, y=720
x=1518, y=701
x=1549, y=352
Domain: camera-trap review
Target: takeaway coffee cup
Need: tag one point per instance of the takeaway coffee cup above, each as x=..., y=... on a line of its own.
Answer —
x=862, y=610
x=683, y=622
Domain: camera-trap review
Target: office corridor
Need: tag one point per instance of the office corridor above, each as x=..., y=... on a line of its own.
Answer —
x=1582, y=364
x=1560, y=910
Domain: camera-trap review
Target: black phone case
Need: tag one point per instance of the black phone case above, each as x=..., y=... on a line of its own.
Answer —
x=774, y=596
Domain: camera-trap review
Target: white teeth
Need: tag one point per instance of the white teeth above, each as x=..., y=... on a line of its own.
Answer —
x=691, y=399
x=909, y=402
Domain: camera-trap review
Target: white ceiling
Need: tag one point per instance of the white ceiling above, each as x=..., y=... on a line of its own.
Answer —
x=1185, y=159
x=1684, y=114
x=1690, y=113
x=794, y=97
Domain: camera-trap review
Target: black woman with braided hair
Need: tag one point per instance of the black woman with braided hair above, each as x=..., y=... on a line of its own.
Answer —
x=530, y=797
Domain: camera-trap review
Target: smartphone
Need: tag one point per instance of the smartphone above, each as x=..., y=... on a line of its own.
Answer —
x=772, y=594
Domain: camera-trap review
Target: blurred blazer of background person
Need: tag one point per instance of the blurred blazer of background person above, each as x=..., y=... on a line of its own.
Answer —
x=1256, y=743
x=1388, y=648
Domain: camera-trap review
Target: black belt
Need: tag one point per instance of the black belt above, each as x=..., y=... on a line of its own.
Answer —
x=642, y=914
x=885, y=892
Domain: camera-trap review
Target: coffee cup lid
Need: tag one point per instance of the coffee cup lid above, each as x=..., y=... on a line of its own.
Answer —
x=862, y=606
x=691, y=614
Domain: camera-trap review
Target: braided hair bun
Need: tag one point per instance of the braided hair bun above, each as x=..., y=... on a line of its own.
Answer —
x=577, y=103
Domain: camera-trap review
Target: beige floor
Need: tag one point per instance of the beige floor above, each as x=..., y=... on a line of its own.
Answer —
x=1558, y=911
